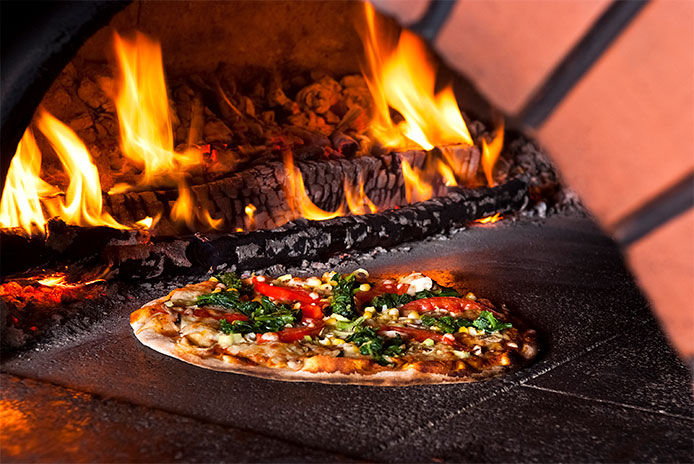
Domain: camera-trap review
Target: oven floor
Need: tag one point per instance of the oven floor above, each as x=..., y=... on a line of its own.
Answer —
x=606, y=388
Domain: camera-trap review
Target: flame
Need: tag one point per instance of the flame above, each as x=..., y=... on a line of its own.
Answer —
x=142, y=104
x=356, y=198
x=490, y=219
x=20, y=205
x=298, y=199
x=416, y=188
x=250, y=211
x=146, y=129
x=148, y=222
x=446, y=173
x=83, y=200
x=490, y=153
x=403, y=78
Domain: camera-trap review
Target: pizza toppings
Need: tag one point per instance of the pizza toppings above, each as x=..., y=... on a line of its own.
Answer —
x=408, y=323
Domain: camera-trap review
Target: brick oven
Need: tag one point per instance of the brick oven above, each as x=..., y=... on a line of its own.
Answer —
x=157, y=143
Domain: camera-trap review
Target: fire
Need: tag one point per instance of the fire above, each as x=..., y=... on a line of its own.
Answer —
x=142, y=104
x=26, y=194
x=146, y=129
x=250, y=211
x=490, y=153
x=357, y=201
x=403, y=78
x=298, y=199
x=83, y=200
x=20, y=205
x=416, y=188
x=490, y=219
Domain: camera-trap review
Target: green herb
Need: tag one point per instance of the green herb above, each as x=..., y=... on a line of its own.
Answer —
x=349, y=326
x=226, y=326
x=447, y=324
x=487, y=322
x=230, y=279
x=372, y=344
x=343, y=296
x=263, y=316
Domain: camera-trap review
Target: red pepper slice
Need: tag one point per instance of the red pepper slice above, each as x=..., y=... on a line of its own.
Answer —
x=311, y=311
x=230, y=317
x=292, y=334
x=283, y=294
x=421, y=335
x=453, y=305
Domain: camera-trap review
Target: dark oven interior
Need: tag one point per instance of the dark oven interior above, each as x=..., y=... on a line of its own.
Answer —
x=270, y=102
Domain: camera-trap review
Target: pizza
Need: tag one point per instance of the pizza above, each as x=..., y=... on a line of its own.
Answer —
x=337, y=328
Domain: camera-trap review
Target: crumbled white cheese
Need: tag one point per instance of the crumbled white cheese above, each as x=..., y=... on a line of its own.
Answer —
x=417, y=282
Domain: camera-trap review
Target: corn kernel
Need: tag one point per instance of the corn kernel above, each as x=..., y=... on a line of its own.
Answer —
x=463, y=330
x=333, y=283
x=284, y=278
x=325, y=341
x=361, y=274
x=213, y=279
x=297, y=305
x=337, y=341
x=331, y=321
x=472, y=331
x=393, y=312
x=216, y=290
x=328, y=276
x=368, y=315
x=313, y=281
x=369, y=309
x=413, y=315
x=364, y=287
x=470, y=296
x=428, y=342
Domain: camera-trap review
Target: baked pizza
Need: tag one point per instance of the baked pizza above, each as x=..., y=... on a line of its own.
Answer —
x=337, y=329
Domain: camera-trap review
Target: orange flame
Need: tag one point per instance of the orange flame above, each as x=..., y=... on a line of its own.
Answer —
x=250, y=211
x=297, y=198
x=142, y=104
x=146, y=131
x=83, y=200
x=357, y=201
x=416, y=188
x=490, y=153
x=490, y=219
x=403, y=78
x=20, y=205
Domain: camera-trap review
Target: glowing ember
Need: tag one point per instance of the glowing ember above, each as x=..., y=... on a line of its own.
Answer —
x=490, y=219
x=297, y=198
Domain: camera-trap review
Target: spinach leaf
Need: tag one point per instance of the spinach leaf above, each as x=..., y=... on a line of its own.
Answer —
x=447, y=324
x=224, y=299
x=343, y=296
x=373, y=345
x=226, y=326
x=263, y=316
x=487, y=322
x=231, y=280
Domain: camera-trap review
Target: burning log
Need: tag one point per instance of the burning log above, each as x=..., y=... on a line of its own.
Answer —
x=311, y=240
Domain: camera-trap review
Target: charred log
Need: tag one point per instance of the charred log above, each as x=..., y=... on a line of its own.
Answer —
x=313, y=240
